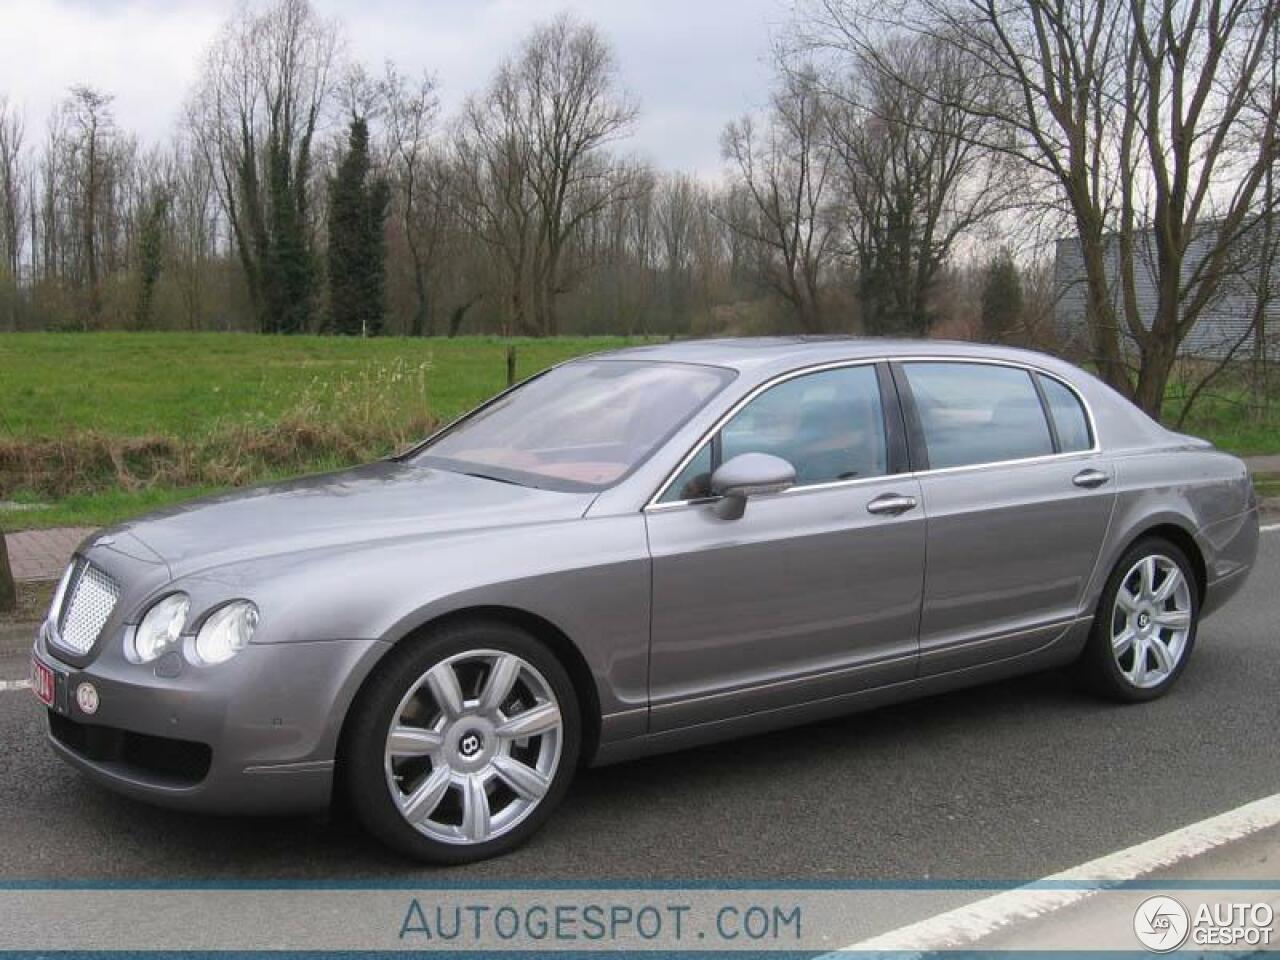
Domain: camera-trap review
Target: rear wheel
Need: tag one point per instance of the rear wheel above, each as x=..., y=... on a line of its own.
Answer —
x=462, y=743
x=1145, y=627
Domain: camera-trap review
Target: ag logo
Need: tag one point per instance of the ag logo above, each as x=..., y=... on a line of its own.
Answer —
x=1161, y=924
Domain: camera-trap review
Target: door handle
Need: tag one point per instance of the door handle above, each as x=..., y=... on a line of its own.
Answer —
x=1090, y=478
x=891, y=503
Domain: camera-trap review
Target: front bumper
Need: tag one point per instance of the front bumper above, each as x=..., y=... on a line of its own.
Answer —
x=257, y=734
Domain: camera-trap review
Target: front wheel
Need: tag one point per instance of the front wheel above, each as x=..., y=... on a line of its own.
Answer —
x=1145, y=627
x=462, y=742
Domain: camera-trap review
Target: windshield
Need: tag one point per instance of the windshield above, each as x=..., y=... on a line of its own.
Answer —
x=582, y=426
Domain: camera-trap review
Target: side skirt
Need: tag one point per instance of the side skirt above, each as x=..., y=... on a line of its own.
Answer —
x=1062, y=651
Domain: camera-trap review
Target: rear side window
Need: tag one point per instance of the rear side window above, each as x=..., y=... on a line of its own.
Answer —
x=1068, y=416
x=975, y=413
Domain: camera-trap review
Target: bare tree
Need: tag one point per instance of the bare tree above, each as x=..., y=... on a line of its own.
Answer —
x=569, y=111
x=612, y=258
x=1130, y=111
x=149, y=231
x=90, y=128
x=266, y=82
x=785, y=170
x=533, y=163
x=195, y=247
x=419, y=173
x=50, y=243
x=1266, y=239
x=676, y=212
x=520, y=216
x=493, y=163
x=12, y=200
x=915, y=175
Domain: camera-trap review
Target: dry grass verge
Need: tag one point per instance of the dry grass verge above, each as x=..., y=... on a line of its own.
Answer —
x=90, y=462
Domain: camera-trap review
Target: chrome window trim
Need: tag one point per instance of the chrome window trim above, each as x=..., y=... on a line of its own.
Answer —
x=654, y=504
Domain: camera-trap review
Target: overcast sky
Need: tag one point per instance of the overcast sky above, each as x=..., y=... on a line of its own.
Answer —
x=694, y=64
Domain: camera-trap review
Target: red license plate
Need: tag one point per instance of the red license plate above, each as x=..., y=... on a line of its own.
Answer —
x=42, y=682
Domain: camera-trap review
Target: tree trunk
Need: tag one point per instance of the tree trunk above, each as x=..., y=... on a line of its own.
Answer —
x=421, y=311
x=1100, y=313
x=459, y=314
x=550, y=320
x=90, y=236
x=810, y=316
x=1153, y=379
x=8, y=589
x=517, y=309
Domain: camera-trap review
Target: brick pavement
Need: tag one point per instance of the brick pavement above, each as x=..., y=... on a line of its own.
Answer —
x=43, y=554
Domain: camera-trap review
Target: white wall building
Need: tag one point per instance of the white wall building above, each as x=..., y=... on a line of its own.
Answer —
x=1224, y=325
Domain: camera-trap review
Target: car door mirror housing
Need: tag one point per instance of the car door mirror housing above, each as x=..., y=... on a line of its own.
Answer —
x=749, y=475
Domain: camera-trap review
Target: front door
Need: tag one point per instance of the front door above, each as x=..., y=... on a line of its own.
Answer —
x=814, y=592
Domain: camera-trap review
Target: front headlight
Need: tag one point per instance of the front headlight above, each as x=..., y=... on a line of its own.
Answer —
x=159, y=629
x=226, y=632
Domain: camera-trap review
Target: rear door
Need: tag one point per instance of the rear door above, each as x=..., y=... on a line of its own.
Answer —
x=812, y=593
x=1018, y=500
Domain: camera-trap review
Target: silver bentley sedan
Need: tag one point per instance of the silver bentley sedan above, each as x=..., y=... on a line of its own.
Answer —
x=636, y=552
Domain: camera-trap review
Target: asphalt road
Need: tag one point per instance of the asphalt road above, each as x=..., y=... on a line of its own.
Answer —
x=1005, y=783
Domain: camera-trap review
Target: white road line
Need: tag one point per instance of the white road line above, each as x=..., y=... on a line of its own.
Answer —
x=1269, y=527
x=14, y=685
x=965, y=926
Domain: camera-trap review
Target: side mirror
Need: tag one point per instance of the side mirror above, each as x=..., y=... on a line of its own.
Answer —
x=748, y=475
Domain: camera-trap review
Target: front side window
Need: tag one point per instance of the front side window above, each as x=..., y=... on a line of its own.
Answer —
x=974, y=413
x=828, y=425
x=1068, y=416
x=582, y=426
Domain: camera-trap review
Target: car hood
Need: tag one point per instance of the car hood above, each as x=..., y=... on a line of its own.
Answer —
x=388, y=500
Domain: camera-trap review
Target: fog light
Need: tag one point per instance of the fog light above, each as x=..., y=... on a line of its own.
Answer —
x=87, y=698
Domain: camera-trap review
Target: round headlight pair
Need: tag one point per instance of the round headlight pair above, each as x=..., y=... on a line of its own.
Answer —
x=224, y=633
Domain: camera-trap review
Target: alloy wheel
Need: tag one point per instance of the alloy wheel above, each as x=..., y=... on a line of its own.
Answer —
x=1151, y=621
x=473, y=747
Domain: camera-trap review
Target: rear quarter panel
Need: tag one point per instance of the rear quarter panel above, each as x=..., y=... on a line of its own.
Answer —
x=1202, y=491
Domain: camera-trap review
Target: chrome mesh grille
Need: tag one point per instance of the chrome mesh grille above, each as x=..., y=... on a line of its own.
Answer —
x=90, y=598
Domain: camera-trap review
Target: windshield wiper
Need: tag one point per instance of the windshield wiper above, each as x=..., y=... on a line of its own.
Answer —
x=489, y=476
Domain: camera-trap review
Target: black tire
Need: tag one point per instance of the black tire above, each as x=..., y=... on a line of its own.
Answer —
x=1098, y=666
x=363, y=776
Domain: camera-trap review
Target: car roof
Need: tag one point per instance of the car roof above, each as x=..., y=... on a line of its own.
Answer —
x=751, y=353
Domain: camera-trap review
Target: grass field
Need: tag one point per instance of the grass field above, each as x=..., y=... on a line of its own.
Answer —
x=1225, y=414
x=98, y=427
x=135, y=384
